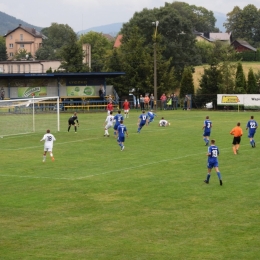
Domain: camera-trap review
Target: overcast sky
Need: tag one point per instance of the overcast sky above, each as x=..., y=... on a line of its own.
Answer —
x=84, y=14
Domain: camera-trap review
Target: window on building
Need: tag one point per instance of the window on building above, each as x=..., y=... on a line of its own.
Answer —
x=21, y=37
x=11, y=37
x=11, y=46
x=11, y=54
x=21, y=45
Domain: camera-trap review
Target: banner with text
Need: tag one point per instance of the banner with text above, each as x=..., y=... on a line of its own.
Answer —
x=32, y=91
x=80, y=91
x=248, y=100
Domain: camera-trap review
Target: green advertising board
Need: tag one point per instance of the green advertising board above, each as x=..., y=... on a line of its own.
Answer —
x=32, y=91
x=80, y=91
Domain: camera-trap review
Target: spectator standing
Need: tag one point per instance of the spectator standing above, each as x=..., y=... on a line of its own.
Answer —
x=163, y=99
x=146, y=102
x=169, y=103
x=141, y=102
x=175, y=101
x=237, y=132
x=151, y=101
x=2, y=93
x=186, y=102
x=101, y=92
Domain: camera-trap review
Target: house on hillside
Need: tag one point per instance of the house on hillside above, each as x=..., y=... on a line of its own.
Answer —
x=24, y=38
x=212, y=37
x=118, y=41
x=241, y=46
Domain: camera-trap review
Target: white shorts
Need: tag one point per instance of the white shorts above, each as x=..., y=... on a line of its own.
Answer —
x=126, y=111
x=47, y=149
x=108, y=112
x=108, y=126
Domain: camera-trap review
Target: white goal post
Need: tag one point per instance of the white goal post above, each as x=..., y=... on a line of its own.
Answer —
x=29, y=115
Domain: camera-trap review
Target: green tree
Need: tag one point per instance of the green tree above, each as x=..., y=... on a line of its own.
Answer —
x=252, y=87
x=187, y=85
x=57, y=35
x=72, y=55
x=3, y=50
x=240, y=82
x=204, y=49
x=100, y=49
x=22, y=54
x=244, y=23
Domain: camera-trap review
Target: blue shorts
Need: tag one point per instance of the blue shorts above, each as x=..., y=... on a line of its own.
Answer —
x=206, y=133
x=212, y=165
x=121, y=139
x=251, y=134
x=115, y=127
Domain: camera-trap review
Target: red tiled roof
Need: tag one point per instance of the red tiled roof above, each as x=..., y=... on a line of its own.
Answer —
x=118, y=41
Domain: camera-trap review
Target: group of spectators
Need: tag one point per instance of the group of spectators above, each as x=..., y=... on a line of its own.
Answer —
x=169, y=102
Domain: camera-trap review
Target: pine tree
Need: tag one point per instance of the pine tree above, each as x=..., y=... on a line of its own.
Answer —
x=240, y=83
x=252, y=87
x=187, y=85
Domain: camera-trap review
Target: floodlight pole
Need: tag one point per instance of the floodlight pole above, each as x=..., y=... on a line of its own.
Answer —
x=155, y=65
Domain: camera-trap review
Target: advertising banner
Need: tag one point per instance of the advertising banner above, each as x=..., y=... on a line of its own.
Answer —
x=24, y=92
x=252, y=101
x=230, y=99
x=80, y=91
x=248, y=100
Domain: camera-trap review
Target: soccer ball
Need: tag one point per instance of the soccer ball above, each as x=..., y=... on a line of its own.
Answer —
x=169, y=123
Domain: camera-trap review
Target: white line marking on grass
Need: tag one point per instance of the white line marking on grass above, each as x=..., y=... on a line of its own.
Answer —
x=108, y=172
x=30, y=147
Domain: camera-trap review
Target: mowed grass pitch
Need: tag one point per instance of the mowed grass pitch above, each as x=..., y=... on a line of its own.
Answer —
x=147, y=202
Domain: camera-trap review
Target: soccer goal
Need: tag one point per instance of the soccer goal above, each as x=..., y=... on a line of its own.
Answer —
x=22, y=116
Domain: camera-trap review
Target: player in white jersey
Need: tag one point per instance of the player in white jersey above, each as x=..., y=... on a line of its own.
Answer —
x=108, y=123
x=163, y=122
x=48, y=145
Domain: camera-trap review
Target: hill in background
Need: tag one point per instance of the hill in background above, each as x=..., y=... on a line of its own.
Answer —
x=8, y=22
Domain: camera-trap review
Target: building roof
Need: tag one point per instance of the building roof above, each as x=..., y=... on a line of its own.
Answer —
x=109, y=37
x=29, y=30
x=245, y=44
x=61, y=75
x=220, y=36
x=118, y=41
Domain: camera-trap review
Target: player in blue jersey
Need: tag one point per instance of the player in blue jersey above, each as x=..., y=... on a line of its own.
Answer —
x=142, y=120
x=117, y=118
x=207, y=129
x=151, y=116
x=251, y=126
x=121, y=131
x=213, y=154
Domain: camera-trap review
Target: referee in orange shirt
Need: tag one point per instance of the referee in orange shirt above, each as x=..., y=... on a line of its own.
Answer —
x=237, y=132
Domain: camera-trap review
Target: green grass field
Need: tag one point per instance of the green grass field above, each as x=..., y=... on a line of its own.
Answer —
x=146, y=202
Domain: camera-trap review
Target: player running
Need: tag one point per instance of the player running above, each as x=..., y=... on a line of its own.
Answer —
x=48, y=145
x=117, y=118
x=108, y=123
x=121, y=131
x=251, y=126
x=207, y=130
x=142, y=120
x=151, y=116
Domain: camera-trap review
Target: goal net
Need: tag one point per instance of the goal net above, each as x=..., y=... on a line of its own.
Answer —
x=22, y=116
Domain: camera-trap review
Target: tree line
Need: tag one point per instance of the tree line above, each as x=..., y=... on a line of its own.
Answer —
x=175, y=45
